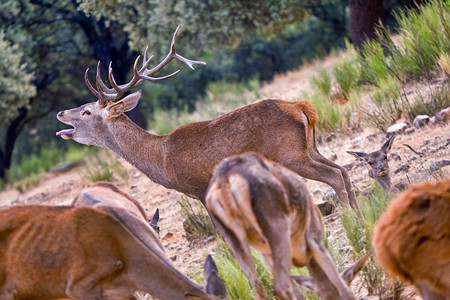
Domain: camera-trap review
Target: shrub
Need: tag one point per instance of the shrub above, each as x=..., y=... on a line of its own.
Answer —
x=102, y=168
x=196, y=222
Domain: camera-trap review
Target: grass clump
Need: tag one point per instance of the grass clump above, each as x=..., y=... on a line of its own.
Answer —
x=359, y=232
x=27, y=172
x=196, y=222
x=103, y=168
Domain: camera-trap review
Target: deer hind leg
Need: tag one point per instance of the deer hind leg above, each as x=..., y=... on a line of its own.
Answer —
x=315, y=155
x=278, y=235
x=321, y=267
x=242, y=254
x=319, y=171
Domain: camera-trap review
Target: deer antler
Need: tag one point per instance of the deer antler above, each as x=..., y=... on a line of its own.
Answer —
x=105, y=94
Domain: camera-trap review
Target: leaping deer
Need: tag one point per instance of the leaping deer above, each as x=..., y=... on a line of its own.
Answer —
x=259, y=203
x=184, y=159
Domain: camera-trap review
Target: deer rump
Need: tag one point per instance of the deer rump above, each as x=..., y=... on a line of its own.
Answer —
x=259, y=203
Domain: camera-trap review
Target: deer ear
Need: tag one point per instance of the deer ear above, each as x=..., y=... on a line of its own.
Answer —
x=388, y=144
x=357, y=154
x=124, y=105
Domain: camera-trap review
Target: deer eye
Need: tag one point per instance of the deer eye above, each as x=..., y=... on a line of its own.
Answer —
x=86, y=112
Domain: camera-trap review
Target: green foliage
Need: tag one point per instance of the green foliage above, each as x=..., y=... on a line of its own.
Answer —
x=103, y=166
x=360, y=231
x=430, y=103
x=196, y=222
x=153, y=22
x=333, y=116
x=35, y=164
x=322, y=82
x=27, y=171
x=16, y=87
x=237, y=283
x=347, y=76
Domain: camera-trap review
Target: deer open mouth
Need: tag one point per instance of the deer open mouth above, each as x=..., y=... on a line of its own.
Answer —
x=66, y=134
x=383, y=172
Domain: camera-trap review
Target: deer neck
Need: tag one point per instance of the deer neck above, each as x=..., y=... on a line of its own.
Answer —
x=138, y=147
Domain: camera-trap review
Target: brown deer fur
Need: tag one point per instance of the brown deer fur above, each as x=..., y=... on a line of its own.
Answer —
x=412, y=238
x=84, y=253
x=259, y=203
x=184, y=159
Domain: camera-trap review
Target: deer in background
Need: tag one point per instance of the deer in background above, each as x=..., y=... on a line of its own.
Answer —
x=184, y=159
x=378, y=162
x=259, y=203
x=84, y=253
x=412, y=238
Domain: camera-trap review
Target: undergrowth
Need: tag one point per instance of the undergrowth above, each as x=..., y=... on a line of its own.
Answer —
x=359, y=232
x=28, y=171
x=103, y=166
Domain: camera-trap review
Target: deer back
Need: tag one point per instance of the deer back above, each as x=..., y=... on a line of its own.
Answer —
x=81, y=253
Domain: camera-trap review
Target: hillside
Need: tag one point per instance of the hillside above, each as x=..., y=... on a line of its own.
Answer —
x=405, y=166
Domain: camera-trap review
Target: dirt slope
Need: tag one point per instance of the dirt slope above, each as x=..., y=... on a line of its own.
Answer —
x=56, y=189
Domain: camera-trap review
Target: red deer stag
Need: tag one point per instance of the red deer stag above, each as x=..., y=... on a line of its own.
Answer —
x=259, y=203
x=83, y=253
x=184, y=159
x=412, y=238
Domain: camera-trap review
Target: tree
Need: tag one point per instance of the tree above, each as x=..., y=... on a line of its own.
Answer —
x=16, y=90
x=56, y=41
x=364, y=17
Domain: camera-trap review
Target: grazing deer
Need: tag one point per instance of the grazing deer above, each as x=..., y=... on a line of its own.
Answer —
x=184, y=159
x=256, y=202
x=377, y=160
x=83, y=253
x=113, y=201
x=412, y=238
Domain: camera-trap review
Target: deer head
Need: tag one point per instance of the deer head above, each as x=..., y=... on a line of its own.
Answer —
x=98, y=114
x=378, y=163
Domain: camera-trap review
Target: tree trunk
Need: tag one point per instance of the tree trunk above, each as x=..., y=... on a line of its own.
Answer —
x=364, y=17
x=12, y=133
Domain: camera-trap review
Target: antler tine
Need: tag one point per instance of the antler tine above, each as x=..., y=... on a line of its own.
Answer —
x=101, y=87
x=171, y=55
x=89, y=85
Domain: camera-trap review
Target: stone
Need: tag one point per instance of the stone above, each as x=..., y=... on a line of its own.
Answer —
x=397, y=127
x=421, y=120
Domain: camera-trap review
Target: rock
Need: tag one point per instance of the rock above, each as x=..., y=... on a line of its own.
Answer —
x=326, y=208
x=397, y=127
x=443, y=115
x=421, y=120
x=409, y=130
x=403, y=168
x=330, y=196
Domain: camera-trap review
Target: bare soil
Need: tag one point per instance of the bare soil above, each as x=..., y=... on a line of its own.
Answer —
x=405, y=166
